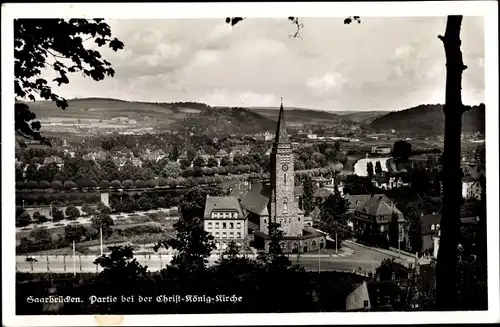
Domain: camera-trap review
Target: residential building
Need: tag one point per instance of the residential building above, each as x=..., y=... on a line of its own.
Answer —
x=431, y=231
x=221, y=154
x=387, y=183
x=380, y=150
x=375, y=211
x=267, y=136
x=53, y=159
x=225, y=221
x=182, y=156
x=312, y=136
x=136, y=162
x=471, y=188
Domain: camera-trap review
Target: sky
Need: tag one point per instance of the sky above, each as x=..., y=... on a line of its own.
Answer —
x=380, y=64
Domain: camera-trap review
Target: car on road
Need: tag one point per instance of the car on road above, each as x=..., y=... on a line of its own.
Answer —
x=31, y=259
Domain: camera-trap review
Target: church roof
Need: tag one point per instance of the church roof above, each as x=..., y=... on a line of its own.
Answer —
x=281, y=132
x=257, y=199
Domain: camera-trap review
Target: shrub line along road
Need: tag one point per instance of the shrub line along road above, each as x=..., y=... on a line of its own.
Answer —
x=357, y=259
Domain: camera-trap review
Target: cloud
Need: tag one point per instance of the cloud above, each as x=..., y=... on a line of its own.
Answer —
x=403, y=51
x=384, y=63
x=223, y=97
x=325, y=83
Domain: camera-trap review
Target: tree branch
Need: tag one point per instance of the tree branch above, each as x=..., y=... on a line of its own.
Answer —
x=55, y=55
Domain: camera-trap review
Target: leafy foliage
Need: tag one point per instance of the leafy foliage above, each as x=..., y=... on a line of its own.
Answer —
x=59, y=44
x=333, y=217
x=102, y=219
x=394, y=231
x=308, y=200
x=194, y=246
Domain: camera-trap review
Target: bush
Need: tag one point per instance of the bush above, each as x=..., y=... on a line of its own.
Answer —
x=68, y=185
x=104, y=184
x=72, y=212
x=128, y=184
x=150, y=183
x=56, y=185
x=31, y=185
x=116, y=184
x=44, y=185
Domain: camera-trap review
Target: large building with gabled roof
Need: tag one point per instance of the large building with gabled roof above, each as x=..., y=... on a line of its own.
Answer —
x=277, y=201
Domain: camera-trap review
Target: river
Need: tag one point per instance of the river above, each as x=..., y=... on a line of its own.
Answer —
x=360, y=165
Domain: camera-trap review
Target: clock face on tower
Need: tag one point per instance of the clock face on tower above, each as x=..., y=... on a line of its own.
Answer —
x=284, y=167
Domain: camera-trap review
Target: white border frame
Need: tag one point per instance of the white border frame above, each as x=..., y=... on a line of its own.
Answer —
x=487, y=9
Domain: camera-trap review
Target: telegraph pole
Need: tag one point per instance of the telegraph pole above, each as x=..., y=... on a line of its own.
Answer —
x=74, y=260
x=319, y=261
x=100, y=232
x=336, y=247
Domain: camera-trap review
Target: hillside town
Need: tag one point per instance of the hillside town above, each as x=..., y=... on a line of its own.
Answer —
x=241, y=186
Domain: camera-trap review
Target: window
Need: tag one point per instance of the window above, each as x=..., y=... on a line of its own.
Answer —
x=381, y=228
x=217, y=234
x=217, y=225
x=231, y=225
x=437, y=226
x=433, y=227
x=214, y=215
x=231, y=235
x=209, y=226
x=235, y=215
x=284, y=179
x=265, y=220
x=238, y=235
x=224, y=235
x=298, y=218
x=224, y=225
x=285, y=205
x=238, y=225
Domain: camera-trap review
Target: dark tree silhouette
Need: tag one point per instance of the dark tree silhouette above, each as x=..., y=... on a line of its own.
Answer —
x=36, y=40
x=308, y=200
x=394, y=231
x=401, y=150
x=369, y=170
x=378, y=168
x=446, y=271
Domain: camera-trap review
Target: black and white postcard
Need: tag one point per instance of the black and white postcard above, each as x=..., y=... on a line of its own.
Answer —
x=292, y=163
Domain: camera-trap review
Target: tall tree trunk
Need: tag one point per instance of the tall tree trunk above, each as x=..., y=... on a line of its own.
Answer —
x=446, y=282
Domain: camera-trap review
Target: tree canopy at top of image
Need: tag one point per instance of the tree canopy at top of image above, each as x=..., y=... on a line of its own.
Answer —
x=61, y=46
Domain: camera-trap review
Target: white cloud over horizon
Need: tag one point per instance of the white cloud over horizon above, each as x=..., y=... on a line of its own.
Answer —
x=383, y=63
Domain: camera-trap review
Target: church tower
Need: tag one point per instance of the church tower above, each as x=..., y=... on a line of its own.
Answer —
x=283, y=209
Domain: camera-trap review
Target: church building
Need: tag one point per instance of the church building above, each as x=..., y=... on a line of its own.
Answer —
x=277, y=201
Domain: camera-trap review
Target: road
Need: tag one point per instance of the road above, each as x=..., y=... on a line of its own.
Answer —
x=361, y=260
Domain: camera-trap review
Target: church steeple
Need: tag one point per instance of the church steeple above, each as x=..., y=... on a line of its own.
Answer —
x=281, y=133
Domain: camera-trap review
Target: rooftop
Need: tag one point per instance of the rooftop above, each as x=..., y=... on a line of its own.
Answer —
x=222, y=203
